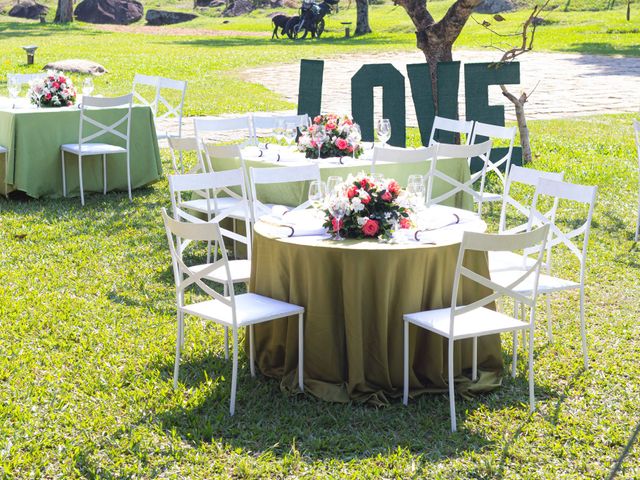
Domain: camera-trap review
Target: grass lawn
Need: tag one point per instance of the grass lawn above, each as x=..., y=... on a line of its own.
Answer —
x=88, y=331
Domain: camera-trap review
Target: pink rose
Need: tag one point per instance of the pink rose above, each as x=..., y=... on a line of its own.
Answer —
x=352, y=192
x=330, y=126
x=364, y=182
x=393, y=187
x=365, y=199
x=336, y=224
x=370, y=228
x=386, y=196
x=317, y=119
x=405, y=223
x=341, y=143
x=56, y=85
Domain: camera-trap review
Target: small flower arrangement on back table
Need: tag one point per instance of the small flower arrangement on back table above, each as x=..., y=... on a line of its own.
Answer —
x=331, y=136
x=53, y=90
x=363, y=207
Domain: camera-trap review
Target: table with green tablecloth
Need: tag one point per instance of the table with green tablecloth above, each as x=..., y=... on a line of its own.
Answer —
x=354, y=293
x=33, y=138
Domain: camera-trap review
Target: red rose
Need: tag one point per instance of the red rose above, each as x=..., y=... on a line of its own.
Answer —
x=386, y=196
x=62, y=79
x=370, y=228
x=330, y=126
x=352, y=192
x=337, y=225
x=405, y=223
x=56, y=85
x=364, y=182
x=366, y=199
x=341, y=143
x=317, y=119
x=393, y=187
x=47, y=96
x=347, y=121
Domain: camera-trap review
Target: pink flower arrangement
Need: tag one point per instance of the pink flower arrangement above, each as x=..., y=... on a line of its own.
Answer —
x=342, y=137
x=372, y=208
x=53, y=90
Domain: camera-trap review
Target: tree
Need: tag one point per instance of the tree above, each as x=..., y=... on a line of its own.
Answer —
x=362, y=17
x=436, y=39
x=64, y=12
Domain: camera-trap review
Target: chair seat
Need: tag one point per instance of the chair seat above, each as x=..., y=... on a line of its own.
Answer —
x=251, y=308
x=476, y=323
x=546, y=284
x=203, y=205
x=240, y=271
x=499, y=261
x=2, y=149
x=92, y=148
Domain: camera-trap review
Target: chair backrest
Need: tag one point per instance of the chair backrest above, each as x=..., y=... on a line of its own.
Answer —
x=269, y=121
x=184, y=275
x=402, y=155
x=534, y=240
x=636, y=130
x=145, y=91
x=170, y=107
x=213, y=151
x=494, y=132
x=206, y=128
x=450, y=125
x=92, y=130
x=210, y=185
x=276, y=175
x=583, y=194
x=445, y=152
x=525, y=176
x=23, y=78
x=183, y=145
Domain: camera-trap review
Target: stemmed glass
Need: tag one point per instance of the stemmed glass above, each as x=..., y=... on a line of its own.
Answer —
x=383, y=129
x=278, y=130
x=14, y=89
x=416, y=192
x=320, y=136
x=354, y=138
x=415, y=178
x=338, y=208
x=317, y=193
x=332, y=184
x=87, y=87
x=290, y=133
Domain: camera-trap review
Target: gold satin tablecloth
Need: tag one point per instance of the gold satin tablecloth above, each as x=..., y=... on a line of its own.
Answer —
x=355, y=293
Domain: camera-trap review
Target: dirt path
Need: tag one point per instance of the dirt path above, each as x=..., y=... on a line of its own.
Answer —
x=172, y=31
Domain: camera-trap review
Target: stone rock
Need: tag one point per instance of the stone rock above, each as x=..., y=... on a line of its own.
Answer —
x=77, y=66
x=238, y=7
x=116, y=12
x=494, y=6
x=163, y=17
x=28, y=9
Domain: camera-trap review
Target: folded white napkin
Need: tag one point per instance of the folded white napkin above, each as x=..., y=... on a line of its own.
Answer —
x=285, y=223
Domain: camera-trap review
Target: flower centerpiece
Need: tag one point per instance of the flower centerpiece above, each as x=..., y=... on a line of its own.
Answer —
x=331, y=136
x=53, y=90
x=363, y=207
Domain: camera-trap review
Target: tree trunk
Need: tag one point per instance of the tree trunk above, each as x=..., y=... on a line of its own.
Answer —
x=523, y=128
x=362, y=17
x=64, y=12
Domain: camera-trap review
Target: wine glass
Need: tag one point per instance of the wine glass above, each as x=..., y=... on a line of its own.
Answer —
x=87, y=87
x=338, y=208
x=416, y=192
x=332, y=184
x=290, y=133
x=320, y=136
x=383, y=129
x=377, y=177
x=415, y=178
x=317, y=193
x=278, y=130
x=14, y=89
x=355, y=137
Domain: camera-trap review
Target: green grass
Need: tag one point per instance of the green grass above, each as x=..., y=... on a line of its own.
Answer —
x=88, y=330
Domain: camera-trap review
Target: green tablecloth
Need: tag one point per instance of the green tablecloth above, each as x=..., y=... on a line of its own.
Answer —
x=296, y=193
x=355, y=293
x=33, y=139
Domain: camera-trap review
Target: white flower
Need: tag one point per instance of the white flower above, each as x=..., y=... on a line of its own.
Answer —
x=357, y=205
x=362, y=220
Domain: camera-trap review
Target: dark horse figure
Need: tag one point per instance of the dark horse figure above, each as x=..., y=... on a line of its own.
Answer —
x=311, y=19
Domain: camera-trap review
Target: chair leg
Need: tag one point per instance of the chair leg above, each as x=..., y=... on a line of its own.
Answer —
x=226, y=329
x=182, y=331
x=64, y=177
x=81, y=185
x=474, y=365
x=252, y=367
x=179, y=337
x=583, y=331
x=129, y=174
x=452, y=400
x=514, y=362
x=405, y=384
x=638, y=220
x=234, y=373
x=549, y=329
x=301, y=351
x=523, y=316
x=104, y=174
x=532, y=400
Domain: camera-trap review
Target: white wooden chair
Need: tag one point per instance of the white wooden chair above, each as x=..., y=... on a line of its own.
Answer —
x=494, y=132
x=636, y=131
x=475, y=320
x=269, y=121
x=548, y=283
x=392, y=154
x=209, y=130
x=168, y=107
x=145, y=91
x=182, y=145
x=3, y=151
x=86, y=146
x=446, y=152
x=232, y=311
x=450, y=125
x=276, y=175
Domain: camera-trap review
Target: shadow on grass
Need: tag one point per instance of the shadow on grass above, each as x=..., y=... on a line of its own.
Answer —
x=605, y=48
x=17, y=29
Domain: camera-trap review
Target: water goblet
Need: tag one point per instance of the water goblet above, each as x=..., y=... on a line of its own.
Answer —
x=290, y=133
x=415, y=178
x=317, y=193
x=354, y=138
x=332, y=184
x=278, y=130
x=383, y=129
x=416, y=192
x=320, y=136
x=87, y=87
x=14, y=89
x=338, y=208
